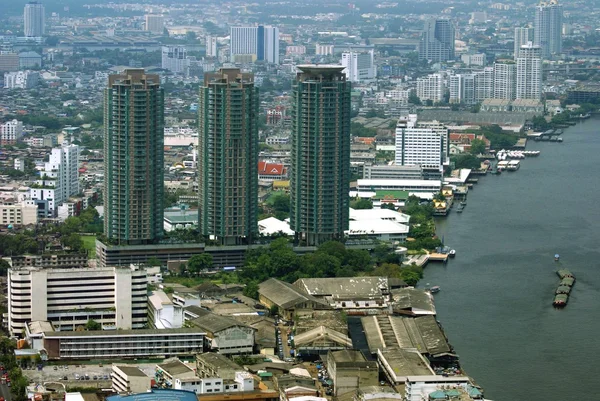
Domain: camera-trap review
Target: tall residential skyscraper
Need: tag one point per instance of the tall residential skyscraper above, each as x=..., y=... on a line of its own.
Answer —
x=437, y=41
x=133, y=157
x=35, y=19
x=154, y=23
x=320, y=179
x=505, y=79
x=522, y=36
x=260, y=42
x=548, y=27
x=212, y=46
x=228, y=156
x=529, y=72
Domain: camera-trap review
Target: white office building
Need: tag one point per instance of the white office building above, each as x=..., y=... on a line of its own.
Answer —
x=505, y=79
x=358, y=66
x=432, y=87
x=484, y=84
x=115, y=297
x=522, y=37
x=34, y=19
x=21, y=79
x=18, y=213
x=548, y=27
x=10, y=132
x=154, y=23
x=212, y=49
x=529, y=72
x=420, y=144
x=259, y=42
x=323, y=50
x=174, y=59
x=163, y=313
x=462, y=88
x=58, y=180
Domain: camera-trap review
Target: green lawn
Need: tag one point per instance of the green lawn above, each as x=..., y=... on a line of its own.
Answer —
x=89, y=243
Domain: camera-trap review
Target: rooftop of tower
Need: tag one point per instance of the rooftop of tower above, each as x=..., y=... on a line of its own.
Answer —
x=321, y=71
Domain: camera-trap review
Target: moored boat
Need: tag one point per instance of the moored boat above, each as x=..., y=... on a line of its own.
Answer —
x=435, y=289
x=452, y=253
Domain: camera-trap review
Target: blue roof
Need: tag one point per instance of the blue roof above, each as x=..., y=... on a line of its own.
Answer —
x=157, y=395
x=437, y=395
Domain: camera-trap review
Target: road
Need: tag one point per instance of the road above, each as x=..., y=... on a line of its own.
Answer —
x=5, y=392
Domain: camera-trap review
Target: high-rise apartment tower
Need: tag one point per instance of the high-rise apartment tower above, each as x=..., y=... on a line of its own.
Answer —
x=548, y=27
x=320, y=165
x=134, y=157
x=34, y=19
x=437, y=41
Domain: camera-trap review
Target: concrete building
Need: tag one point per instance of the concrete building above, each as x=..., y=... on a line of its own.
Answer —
x=167, y=373
x=58, y=181
x=228, y=156
x=431, y=87
x=174, y=59
x=224, y=335
x=21, y=79
x=114, y=297
x=320, y=180
x=163, y=313
x=522, y=37
x=11, y=132
x=34, y=19
x=288, y=299
x=108, y=344
x=243, y=382
x=129, y=379
x=212, y=49
x=484, y=84
x=9, y=61
x=323, y=49
x=529, y=72
x=45, y=260
x=261, y=43
x=211, y=364
x=548, y=26
x=134, y=153
x=434, y=387
x=437, y=41
x=505, y=79
x=154, y=23
x=350, y=370
x=461, y=88
x=18, y=213
x=358, y=66
x=479, y=59
x=30, y=60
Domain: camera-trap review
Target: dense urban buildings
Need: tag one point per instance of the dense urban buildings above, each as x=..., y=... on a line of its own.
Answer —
x=437, y=41
x=228, y=156
x=529, y=72
x=133, y=151
x=34, y=19
x=10, y=132
x=320, y=158
x=548, y=27
x=114, y=297
x=522, y=36
x=255, y=43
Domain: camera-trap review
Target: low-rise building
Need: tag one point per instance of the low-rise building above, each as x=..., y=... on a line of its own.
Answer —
x=18, y=213
x=434, y=387
x=350, y=370
x=288, y=299
x=50, y=260
x=167, y=373
x=211, y=364
x=243, y=382
x=129, y=379
x=163, y=313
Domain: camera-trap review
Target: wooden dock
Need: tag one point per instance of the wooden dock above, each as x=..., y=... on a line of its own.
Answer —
x=438, y=257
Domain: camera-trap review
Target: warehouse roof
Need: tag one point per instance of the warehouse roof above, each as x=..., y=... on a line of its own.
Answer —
x=284, y=294
x=344, y=286
x=211, y=322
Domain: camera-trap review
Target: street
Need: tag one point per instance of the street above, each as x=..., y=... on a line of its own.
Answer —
x=5, y=392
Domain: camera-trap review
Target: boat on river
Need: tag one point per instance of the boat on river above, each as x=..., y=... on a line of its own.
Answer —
x=561, y=295
x=556, y=257
x=435, y=289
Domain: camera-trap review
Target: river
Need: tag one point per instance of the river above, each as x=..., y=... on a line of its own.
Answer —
x=496, y=298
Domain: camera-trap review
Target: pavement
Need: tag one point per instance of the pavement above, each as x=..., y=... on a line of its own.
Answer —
x=5, y=392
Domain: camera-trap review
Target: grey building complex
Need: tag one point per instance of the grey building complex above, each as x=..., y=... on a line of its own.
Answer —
x=437, y=41
x=228, y=156
x=548, y=27
x=320, y=155
x=134, y=157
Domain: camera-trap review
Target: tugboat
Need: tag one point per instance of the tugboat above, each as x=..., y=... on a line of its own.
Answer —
x=435, y=289
x=556, y=257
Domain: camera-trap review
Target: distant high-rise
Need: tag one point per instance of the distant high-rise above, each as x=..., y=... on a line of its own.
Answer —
x=505, y=79
x=34, y=19
x=437, y=41
x=228, y=156
x=211, y=46
x=529, y=72
x=133, y=157
x=522, y=36
x=548, y=27
x=320, y=159
x=260, y=42
x=154, y=23
x=174, y=59
x=358, y=65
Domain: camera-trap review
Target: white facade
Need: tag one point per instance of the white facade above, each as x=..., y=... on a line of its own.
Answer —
x=484, y=84
x=383, y=224
x=21, y=79
x=174, y=59
x=358, y=66
x=212, y=46
x=243, y=382
x=505, y=80
x=129, y=380
x=260, y=41
x=154, y=23
x=323, y=50
x=163, y=313
x=548, y=27
x=479, y=59
x=529, y=72
x=418, y=388
x=422, y=144
x=59, y=179
x=271, y=49
x=34, y=19
x=243, y=40
x=462, y=88
x=11, y=132
x=114, y=297
x=432, y=87
x=522, y=37
x=18, y=213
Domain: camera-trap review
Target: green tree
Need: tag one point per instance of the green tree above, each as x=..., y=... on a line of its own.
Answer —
x=73, y=241
x=153, y=261
x=414, y=99
x=251, y=289
x=466, y=161
x=361, y=203
x=477, y=147
x=4, y=266
x=93, y=325
x=199, y=263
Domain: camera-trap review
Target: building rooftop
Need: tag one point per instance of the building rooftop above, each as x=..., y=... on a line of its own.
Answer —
x=218, y=361
x=321, y=335
x=404, y=362
x=175, y=367
x=284, y=294
x=209, y=321
x=119, y=333
x=39, y=326
x=157, y=395
x=412, y=301
x=131, y=371
x=343, y=286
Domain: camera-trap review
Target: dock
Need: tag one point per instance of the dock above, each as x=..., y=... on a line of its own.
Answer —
x=438, y=257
